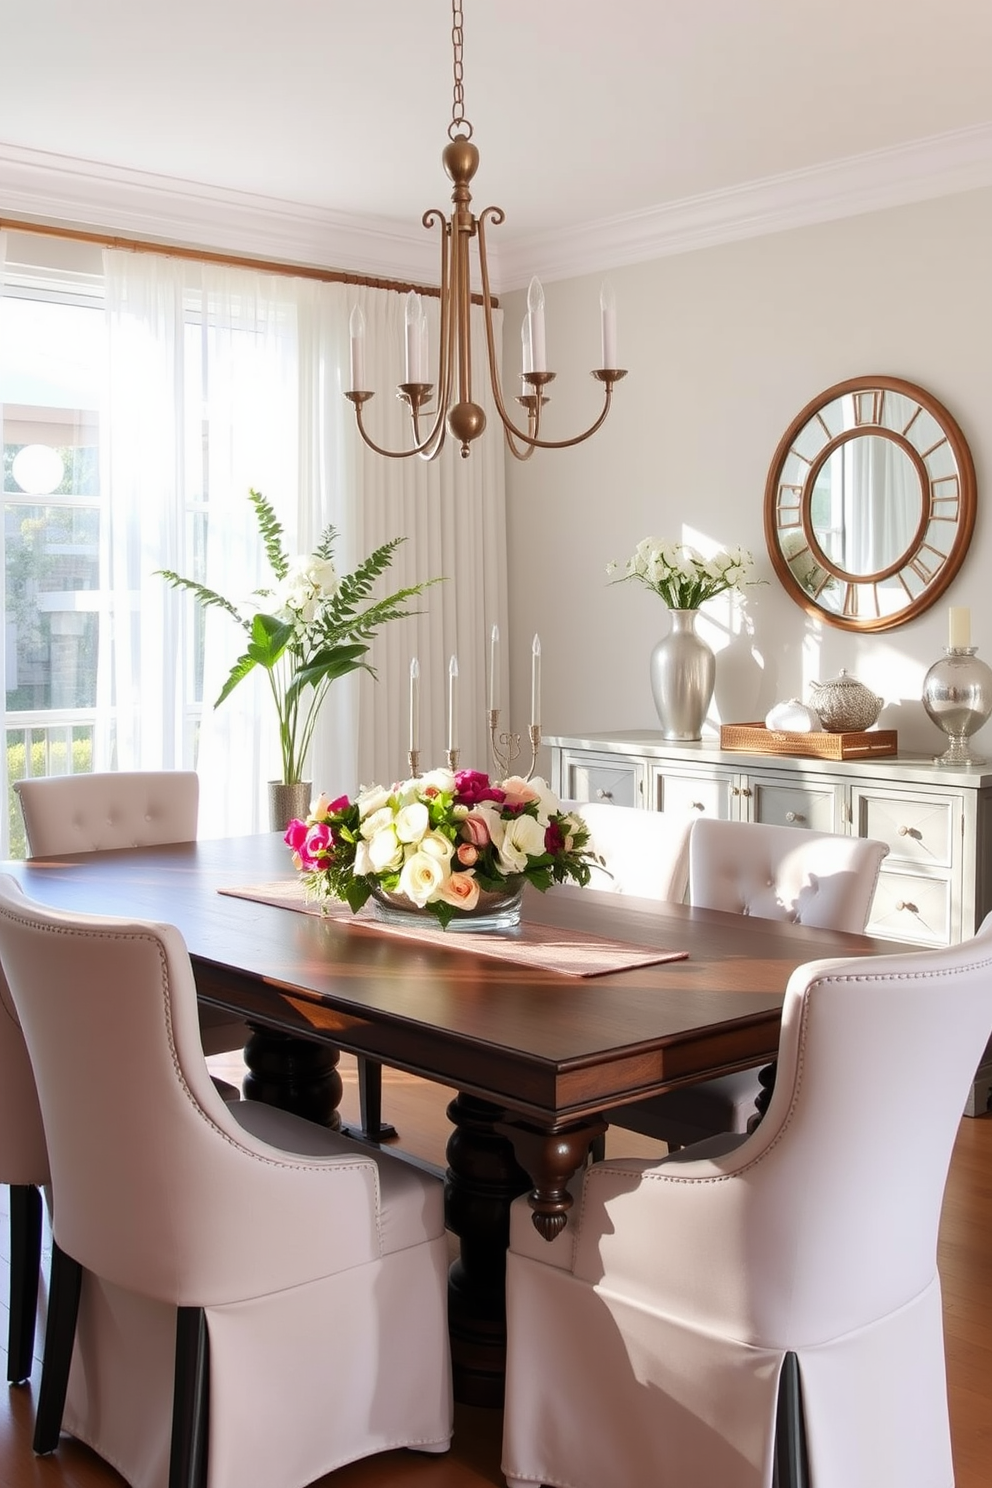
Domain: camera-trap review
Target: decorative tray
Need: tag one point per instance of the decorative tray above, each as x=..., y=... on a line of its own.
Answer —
x=755, y=738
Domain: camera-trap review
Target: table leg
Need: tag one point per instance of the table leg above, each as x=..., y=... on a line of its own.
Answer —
x=482, y=1180
x=295, y=1074
x=551, y=1158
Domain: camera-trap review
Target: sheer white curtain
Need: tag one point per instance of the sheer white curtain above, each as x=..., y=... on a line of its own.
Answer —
x=4, y=825
x=222, y=379
x=452, y=512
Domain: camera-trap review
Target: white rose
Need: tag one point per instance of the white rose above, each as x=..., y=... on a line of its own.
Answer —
x=363, y=860
x=376, y=821
x=372, y=799
x=440, y=779
x=412, y=822
x=421, y=877
x=437, y=845
x=523, y=838
x=385, y=851
x=322, y=574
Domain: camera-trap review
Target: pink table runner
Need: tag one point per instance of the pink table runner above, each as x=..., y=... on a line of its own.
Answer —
x=541, y=947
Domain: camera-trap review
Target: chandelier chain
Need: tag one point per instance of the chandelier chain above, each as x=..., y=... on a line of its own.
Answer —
x=459, y=124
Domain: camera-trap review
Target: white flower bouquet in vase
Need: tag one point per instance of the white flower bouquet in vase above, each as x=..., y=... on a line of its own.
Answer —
x=683, y=667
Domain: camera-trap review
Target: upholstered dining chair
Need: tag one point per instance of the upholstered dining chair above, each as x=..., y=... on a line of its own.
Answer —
x=764, y=1308
x=24, y=1167
x=645, y=853
x=772, y=873
x=122, y=808
x=238, y=1295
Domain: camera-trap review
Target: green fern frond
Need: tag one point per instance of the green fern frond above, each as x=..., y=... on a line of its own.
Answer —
x=206, y=597
x=271, y=530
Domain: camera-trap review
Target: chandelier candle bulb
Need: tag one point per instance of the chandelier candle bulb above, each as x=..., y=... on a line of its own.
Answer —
x=493, y=691
x=608, y=307
x=357, y=331
x=958, y=628
x=526, y=356
x=535, y=682
x=415, y=326
x=414, y=706
x=535, y=319
x=452, y=710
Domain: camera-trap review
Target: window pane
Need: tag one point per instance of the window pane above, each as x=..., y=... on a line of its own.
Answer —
x=52, y=576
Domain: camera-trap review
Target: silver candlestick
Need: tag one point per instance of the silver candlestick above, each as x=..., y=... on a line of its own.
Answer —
x=957, y=694
x=506, y=747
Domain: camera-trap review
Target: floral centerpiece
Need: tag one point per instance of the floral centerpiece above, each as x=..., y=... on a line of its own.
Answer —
x=312, y=626
x=439, y=842
x=680, y=575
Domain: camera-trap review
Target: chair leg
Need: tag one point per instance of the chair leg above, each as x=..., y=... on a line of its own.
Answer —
x=791, y=1465
x=63, y=1309
x=25, y=1263
x=190, y=1401
x=374, y=1129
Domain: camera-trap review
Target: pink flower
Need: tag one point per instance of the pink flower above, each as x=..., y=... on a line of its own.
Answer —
x=317, y=845
x=473, y=786
x=519, y=792
x=341, y=804
x=295, y=834
x=460, y=890
x=475, y=829
x=466, y=854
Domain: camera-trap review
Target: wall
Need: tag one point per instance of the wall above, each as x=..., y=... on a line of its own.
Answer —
x=724, y=347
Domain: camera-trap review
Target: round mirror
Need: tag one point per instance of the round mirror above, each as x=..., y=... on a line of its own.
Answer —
x=870, y=503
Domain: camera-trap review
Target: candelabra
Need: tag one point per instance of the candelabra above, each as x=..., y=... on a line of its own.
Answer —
x=506, y=747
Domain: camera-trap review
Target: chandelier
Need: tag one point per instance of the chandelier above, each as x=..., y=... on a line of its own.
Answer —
x=455, y=410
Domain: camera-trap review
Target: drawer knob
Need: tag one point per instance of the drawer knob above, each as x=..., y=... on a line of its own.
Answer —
x=794, y=816
x=698, y=806
x=604, y=795
x=905, y=904
x=910, y=832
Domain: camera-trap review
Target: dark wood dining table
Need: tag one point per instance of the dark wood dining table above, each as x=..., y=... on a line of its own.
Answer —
x=535, y=1056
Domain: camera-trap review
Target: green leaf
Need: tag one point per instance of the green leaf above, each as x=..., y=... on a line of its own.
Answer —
x=271, y=533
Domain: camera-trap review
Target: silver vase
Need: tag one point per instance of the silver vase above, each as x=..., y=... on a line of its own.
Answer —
x=957, y=694
x=288, y=803
x=683, y=674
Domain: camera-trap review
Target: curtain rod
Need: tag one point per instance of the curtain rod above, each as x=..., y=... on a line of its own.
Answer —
x=197, y=255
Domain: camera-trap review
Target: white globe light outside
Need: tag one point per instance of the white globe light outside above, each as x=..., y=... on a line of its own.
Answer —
x=38, y=469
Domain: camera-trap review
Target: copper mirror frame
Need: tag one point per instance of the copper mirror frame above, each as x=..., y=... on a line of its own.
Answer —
x=870, y=503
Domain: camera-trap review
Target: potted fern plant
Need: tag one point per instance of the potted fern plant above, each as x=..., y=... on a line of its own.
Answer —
x=311, y=626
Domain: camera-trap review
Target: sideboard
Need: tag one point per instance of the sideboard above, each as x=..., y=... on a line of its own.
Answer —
x=935, y=887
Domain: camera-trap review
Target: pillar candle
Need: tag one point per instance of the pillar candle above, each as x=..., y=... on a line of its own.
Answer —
x=958, y=627
x=414, y=705
x=452, y=710
x=535, y=682
x=535, y=321
x=493, y=689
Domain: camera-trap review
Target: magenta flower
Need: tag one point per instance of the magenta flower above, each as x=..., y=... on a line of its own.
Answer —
x=296, y=834
x=554, y=837
x=473, y=786
x=317, y=845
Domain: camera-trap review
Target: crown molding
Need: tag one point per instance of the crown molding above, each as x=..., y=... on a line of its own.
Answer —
x=60, y=190
x=941, y=165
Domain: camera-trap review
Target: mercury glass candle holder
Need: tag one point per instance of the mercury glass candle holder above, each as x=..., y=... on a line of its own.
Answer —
x=957, y=694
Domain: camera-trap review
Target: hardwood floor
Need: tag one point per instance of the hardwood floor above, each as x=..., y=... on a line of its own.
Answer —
x=417, y=1108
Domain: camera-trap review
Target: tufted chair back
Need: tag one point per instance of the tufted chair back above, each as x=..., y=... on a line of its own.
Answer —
x=783, y=873
x=119, y=808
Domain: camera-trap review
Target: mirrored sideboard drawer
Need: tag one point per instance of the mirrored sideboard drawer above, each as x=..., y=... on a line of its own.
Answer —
x=609, y=778
x=917, y=827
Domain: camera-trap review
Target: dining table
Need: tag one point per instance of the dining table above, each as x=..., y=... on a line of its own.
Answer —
x=535, y=1047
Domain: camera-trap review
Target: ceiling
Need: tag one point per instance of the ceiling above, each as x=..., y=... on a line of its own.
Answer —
x=622, y=128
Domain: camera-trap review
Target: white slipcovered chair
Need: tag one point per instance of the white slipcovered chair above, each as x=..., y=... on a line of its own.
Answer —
x=645, y=853
x=245, y=1296
x=778, y=1284
x=24, y=1166
x=772, y=873
x=122, y=808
